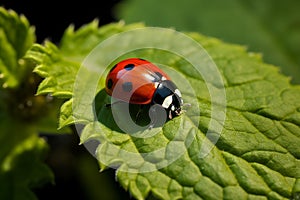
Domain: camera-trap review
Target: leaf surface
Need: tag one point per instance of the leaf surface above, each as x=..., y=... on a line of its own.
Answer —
x=256, y=155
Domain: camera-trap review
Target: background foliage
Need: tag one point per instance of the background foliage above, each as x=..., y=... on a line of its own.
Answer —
x=271, y=27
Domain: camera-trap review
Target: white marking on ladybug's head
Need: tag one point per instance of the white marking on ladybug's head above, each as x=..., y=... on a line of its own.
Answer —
x=167, y=102
x=156, y=84
x=163, y=78
x=173, y=108
x=178, y=93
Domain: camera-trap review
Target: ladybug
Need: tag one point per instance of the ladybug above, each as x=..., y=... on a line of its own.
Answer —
x=138, y=81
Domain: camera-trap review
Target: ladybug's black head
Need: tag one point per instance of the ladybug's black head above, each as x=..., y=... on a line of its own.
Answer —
x=169, y=97
x=172, y=105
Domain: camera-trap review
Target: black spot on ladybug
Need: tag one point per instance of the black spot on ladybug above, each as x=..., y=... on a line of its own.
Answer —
x=113, y=68
x=129, y=67
x=109, y=83
x=127, y=86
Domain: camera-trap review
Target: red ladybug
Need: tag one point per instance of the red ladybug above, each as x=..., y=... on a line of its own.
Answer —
x=138, y=81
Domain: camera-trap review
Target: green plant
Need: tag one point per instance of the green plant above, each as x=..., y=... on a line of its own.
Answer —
x=256, y=156
x=23, y=115
x=270, y=27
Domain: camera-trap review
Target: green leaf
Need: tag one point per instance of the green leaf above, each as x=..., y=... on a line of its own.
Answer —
x=22, y=114
x=16, y=36
x=21, y=168
x=59, y=66
x=257, y=153
x=270, y=27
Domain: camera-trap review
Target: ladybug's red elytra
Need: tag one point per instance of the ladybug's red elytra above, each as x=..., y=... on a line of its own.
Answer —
x=138, y=81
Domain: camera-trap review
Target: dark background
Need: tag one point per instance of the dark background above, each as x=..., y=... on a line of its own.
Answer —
x=51, y=18
x=76, y=172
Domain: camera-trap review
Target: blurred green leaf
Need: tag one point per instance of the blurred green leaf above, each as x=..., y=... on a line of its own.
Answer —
x=270, y=27
x=16, y=36
x=21, y=167
x=22, y=114
x=257, y=154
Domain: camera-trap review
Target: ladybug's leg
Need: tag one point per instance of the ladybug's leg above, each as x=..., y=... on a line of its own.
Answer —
x=152, y=123
x=108, y=105
x=138, y=114
x=185, y=105
x=153, y=118
x=158, y=116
